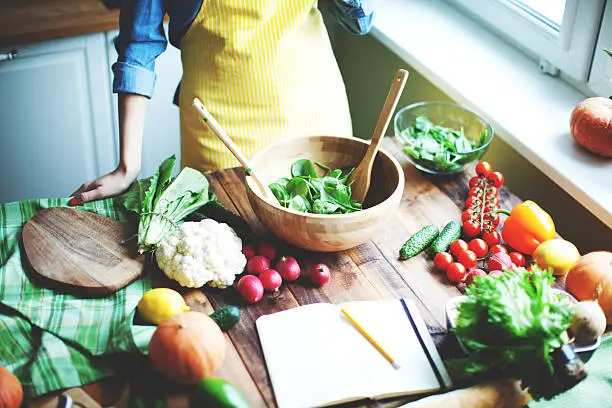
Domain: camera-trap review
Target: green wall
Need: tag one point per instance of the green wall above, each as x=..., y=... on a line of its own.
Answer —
x=368, y=68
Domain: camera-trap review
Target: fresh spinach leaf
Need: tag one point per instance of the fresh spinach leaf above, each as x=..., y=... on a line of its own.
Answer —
x=306, y=191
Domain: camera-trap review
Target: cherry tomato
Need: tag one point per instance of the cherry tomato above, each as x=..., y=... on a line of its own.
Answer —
x=475, y=181
x=498, y=248
x=479, y=247
x=497, y=178
x=493, y=218
x=492, y=191
x=467, y=258
x=517, y=258
x=457, y=246
x=468, y=215
x=442, y=260
x=471, y=228
x=483, y=168
x=471, y=200
x=491, y=237
x=455, y=272
x=475, y=192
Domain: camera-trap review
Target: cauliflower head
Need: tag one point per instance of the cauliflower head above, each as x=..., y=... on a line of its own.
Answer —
x=197, y=253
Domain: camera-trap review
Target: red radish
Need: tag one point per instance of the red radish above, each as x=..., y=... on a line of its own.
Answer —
x=500, y=261
x=289, y=268
x=248, y=251
x=258, y=264
x=250, y=288
x=319, y=274
x=266, y=249
x=271, y=279
x=469, y=278
x=496, y=272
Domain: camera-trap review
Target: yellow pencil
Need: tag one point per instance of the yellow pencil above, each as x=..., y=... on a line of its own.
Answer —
x=370, y=338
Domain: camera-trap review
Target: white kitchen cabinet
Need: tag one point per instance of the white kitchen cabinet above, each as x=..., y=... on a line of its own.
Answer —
x=56, y=128
x=58, y=116
x=161, y=136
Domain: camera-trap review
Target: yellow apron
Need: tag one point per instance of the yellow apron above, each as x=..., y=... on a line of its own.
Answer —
x=265, y=70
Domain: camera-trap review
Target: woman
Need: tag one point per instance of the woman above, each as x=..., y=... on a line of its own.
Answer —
x=264, y=68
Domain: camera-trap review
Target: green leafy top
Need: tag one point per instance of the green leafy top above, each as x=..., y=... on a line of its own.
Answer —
x=511, y=323
x=306, y=191
x=442, y=148
x=162, y=202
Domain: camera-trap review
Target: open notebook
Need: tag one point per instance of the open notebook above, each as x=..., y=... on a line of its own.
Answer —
x=316, y=358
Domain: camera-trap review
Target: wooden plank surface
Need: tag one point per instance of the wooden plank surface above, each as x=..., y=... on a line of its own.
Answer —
x=24, y=21
x=369, y=271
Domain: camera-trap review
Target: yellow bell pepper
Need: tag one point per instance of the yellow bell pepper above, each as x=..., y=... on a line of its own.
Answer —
x=527, y=227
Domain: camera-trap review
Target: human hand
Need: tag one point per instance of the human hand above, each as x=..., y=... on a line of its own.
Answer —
x=111, y=184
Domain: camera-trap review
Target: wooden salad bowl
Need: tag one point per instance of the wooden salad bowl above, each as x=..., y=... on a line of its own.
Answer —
x=325, y=232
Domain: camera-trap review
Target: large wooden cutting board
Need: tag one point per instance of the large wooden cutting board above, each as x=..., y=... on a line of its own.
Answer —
x=80, y=252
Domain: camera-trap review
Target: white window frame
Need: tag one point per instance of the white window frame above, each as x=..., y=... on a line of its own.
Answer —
x=600, y=80
x=570, y=49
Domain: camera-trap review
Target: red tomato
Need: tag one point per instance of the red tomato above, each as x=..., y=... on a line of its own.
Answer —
x=467, y=258
x=479, y=247
x=491, y=237
x=455, y=272
x=475, y=181
x=497, y=178
x=493, y=217
x=475, y=192
x=517, y=258
x=458, y=246
x=471, y=228
x=471, y=200
x=483, y=168
x=492, y=191
x=499, y=248
x=468, y=215
x=442, y=260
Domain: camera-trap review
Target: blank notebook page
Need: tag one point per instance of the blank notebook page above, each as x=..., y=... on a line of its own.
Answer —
x=315, y=357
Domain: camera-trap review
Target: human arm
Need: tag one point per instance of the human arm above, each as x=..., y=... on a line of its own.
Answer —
x=141, y=40
x=132, y=108
x=354, y=15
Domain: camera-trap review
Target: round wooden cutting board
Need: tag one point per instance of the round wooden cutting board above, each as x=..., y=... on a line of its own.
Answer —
x=80, y=252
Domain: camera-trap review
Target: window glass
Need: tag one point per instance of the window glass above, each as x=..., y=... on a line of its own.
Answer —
x=549, y=12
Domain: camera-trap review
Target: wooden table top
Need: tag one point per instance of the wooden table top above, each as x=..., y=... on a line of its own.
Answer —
x=368, y=272
x=26, y=21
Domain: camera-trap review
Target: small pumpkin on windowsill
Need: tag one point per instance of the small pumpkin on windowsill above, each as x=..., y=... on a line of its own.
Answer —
x=591, y=125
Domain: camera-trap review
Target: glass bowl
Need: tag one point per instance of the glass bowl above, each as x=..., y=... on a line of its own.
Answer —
x=442, y=137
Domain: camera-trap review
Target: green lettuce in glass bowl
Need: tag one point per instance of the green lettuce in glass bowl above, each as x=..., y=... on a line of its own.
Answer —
x=442, y=137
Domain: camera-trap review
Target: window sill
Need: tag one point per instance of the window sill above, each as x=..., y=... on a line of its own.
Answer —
x=530, y=111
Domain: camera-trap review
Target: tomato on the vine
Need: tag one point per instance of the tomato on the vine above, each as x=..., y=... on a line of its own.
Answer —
x=442, y=260
x=498, y=248
x=471, y=228
x=474, y=181
x=483, y=168
x=457, y=246
x=455, y=272
x=497, y=178
x=468, y=215
x=491, y=237
x=471, y=200
x=479, y=247
x=467, y=258
x=517, y=258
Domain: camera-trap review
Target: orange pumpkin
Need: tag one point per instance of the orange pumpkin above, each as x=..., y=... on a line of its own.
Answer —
x=11, y=393
x=187, y=347
x=591, y=277
x=591, y=127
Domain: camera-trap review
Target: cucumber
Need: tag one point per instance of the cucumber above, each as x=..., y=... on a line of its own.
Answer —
x=216, y=393
x=226, y=317
x=450, y=233
x=419, y=241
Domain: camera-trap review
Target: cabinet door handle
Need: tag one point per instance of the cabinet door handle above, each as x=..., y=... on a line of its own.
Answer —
x=7, y=56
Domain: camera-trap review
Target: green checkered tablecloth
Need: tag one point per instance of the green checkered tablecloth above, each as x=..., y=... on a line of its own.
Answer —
x=51, y=340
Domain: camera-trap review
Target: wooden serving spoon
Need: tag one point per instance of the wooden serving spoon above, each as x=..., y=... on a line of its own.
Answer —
x=221, y=134
x=362, y=175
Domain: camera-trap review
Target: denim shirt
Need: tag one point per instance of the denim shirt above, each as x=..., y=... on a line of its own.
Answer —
x=142, y=38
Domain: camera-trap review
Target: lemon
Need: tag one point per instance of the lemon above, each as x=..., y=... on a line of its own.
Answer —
x=558, y=254
x=160, y=303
